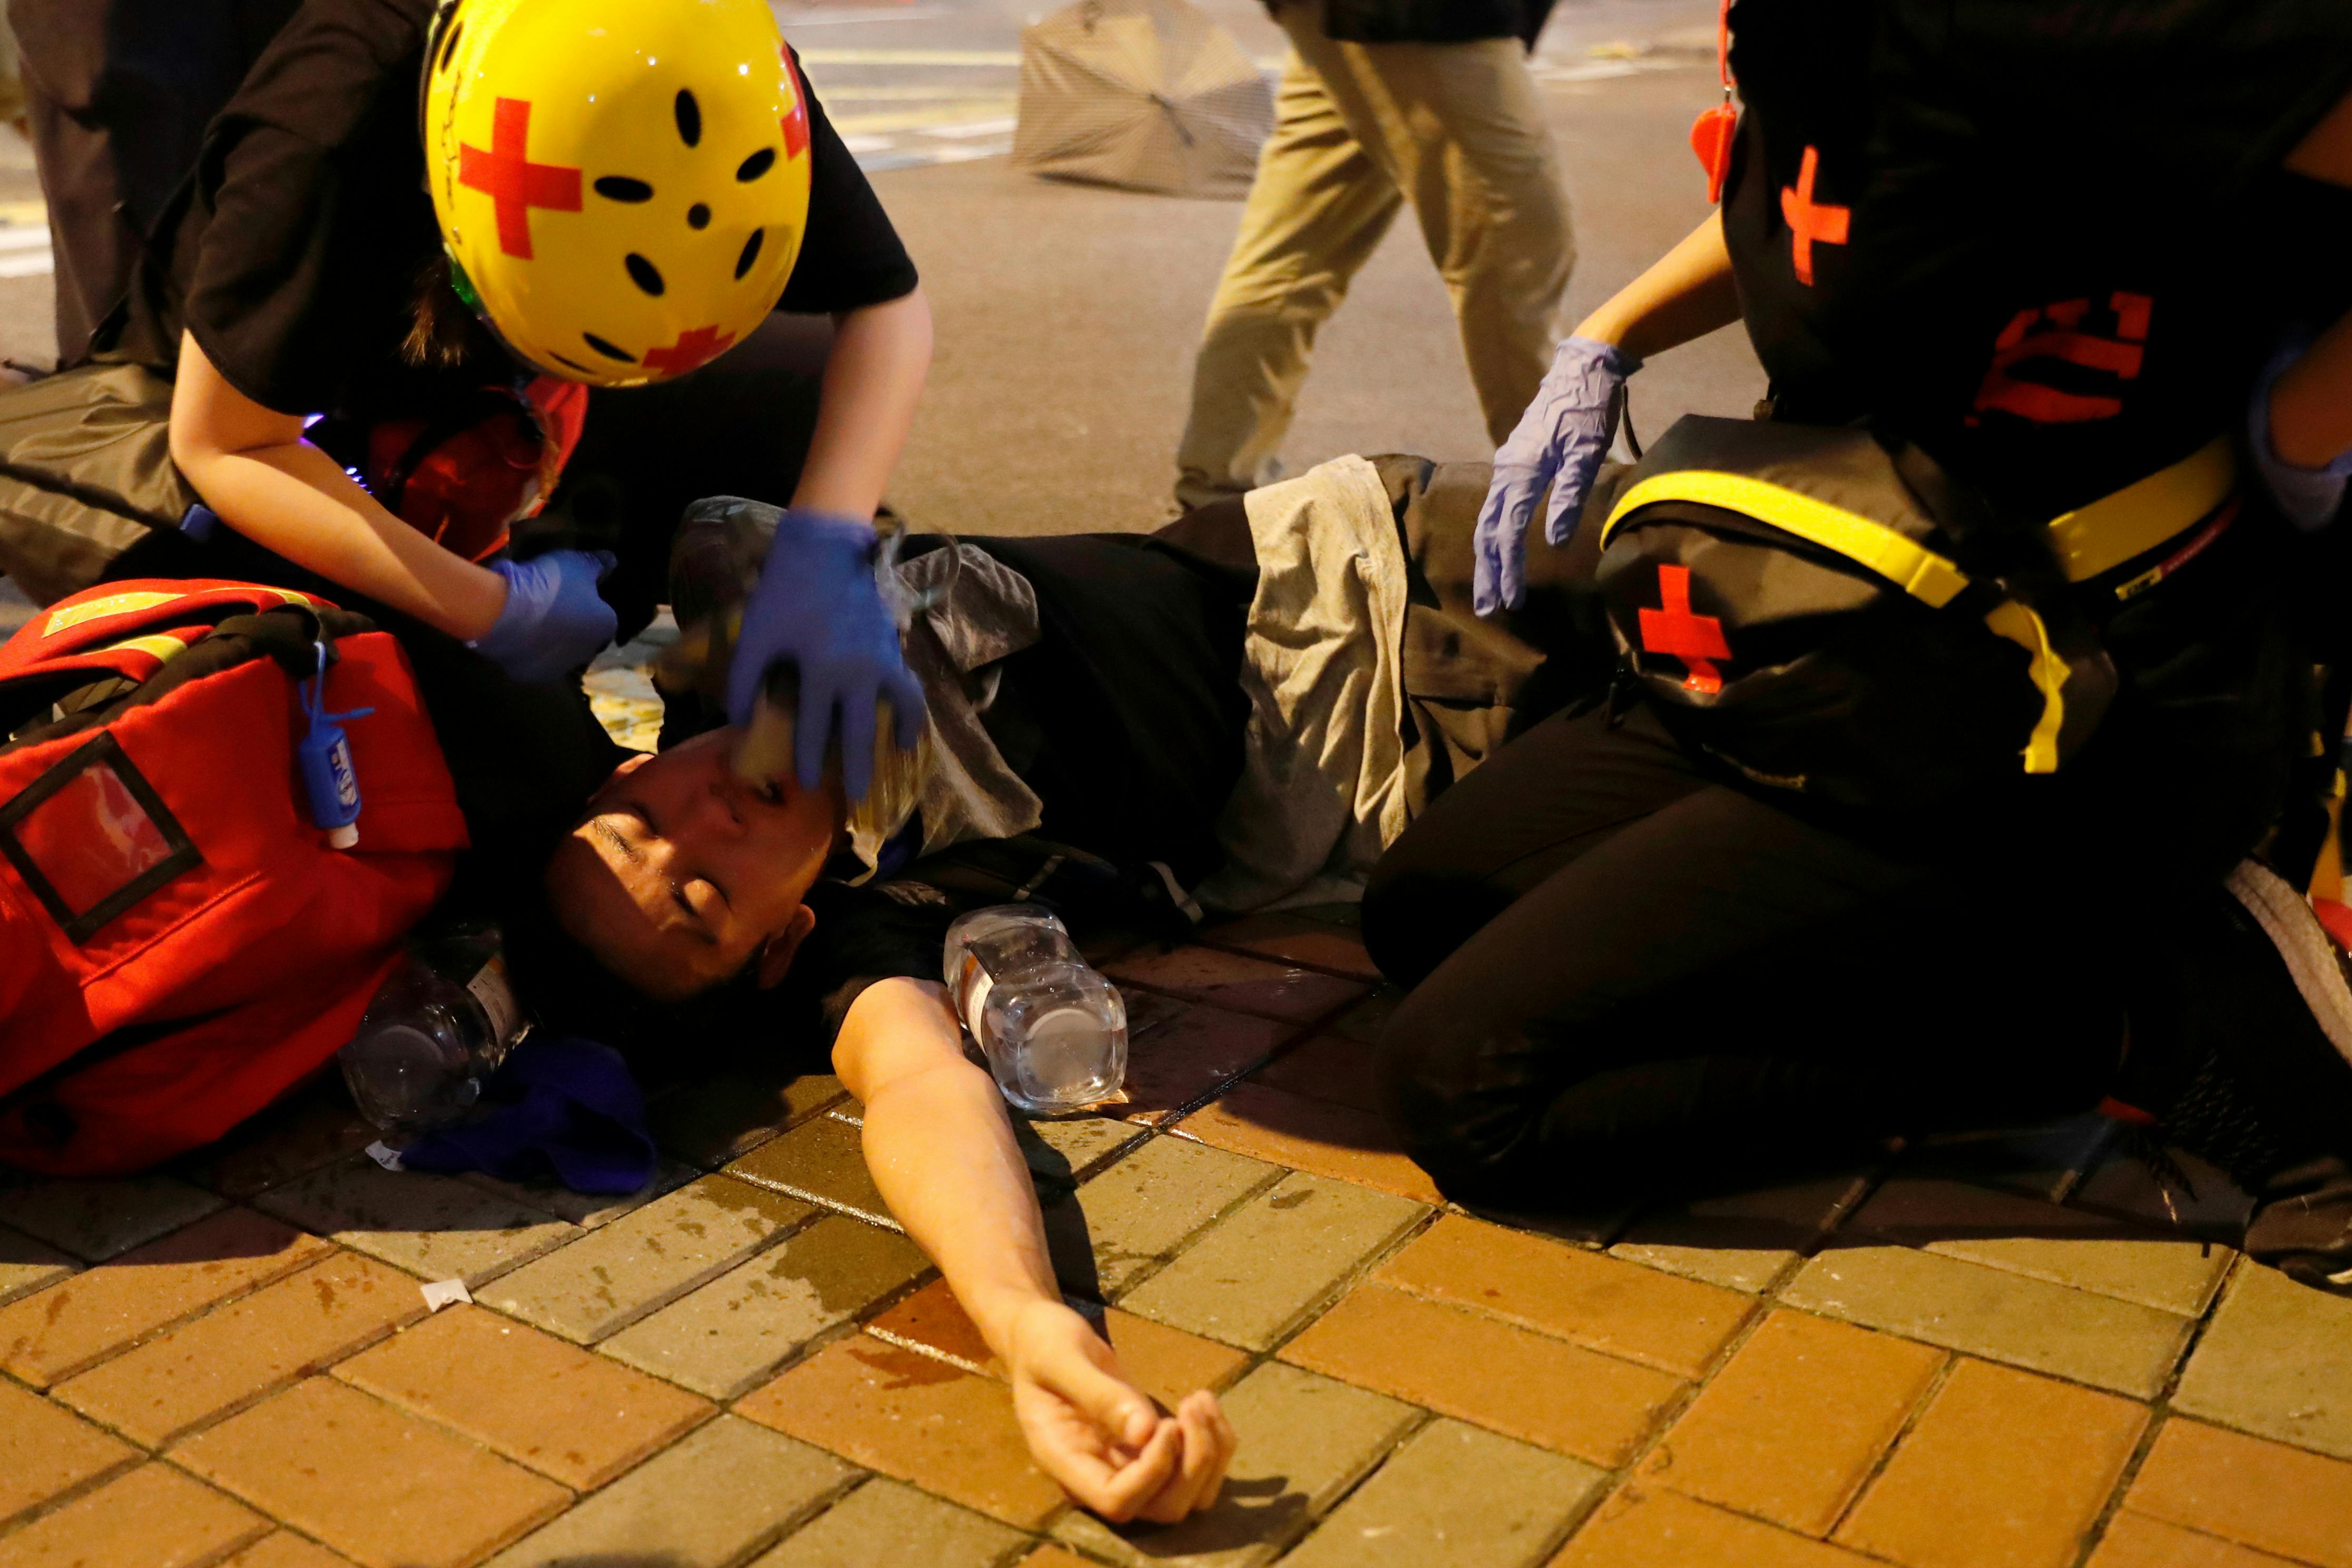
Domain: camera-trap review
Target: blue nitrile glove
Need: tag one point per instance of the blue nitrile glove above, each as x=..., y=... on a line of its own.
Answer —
x=1559, y=442
x=2308, y=498
x=554, y=621
x=818, y=606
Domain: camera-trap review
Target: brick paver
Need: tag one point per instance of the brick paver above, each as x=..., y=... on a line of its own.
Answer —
x=2004, y=1469
x=382, y=1487
x=1297, y=939
x=1557, y=1394
x=565, y=1413
x=1304, y=1440
x=218, y=1362
x=1639, y=1528
x=155, y=1517
x=1985, y=1351
x=913, y=1416
x=2277, y=1360
x=732, y=1333
x=1237, y=983
x=2135, y=1541
x=1994, y=1313
x=1250, y=1277
x=885, y=1522
x=1454, y=1496
x=97, y=1220
x=1330, y=1067
x=725, y=1490
x=27, y=1264
x=1744, y=1240
x=1191, y=1056
x=1166, y=1364
x=82, y=1321
x=2250, y=1491
x=1677, y=1325
x=613, y=1277
x=1307, y=1134
x=46, y=1450
x=435, y=1227
x=1132, y=1216
x=821, y=1160
x=2045, y=1241
x=285, y=1549
x=1791, y=1428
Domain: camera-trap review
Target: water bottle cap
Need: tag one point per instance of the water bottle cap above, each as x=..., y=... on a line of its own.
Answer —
x=342, y=837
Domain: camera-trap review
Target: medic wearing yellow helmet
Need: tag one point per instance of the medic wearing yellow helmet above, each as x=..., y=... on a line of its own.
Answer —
x=409, y=206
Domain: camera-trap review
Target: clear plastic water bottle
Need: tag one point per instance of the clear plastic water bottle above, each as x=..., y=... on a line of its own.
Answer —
x=1054, y=1032
x=434, y=1032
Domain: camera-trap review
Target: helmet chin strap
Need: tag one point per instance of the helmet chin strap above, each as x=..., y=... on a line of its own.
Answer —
x=1713, y=131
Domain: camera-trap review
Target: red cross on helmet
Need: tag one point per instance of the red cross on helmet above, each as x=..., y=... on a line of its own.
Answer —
x=622, y=184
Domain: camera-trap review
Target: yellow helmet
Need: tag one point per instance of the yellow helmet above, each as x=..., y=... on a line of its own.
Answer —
x=622, y=184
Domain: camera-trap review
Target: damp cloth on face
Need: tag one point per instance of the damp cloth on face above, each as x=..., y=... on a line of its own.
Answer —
x=563, y=1110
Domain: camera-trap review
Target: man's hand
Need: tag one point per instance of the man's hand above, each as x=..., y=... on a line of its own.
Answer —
x=1092, y=1431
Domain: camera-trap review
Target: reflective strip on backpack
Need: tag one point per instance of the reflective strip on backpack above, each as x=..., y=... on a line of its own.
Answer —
x=1917, y=570
x=2143, y=514
x=68, y=616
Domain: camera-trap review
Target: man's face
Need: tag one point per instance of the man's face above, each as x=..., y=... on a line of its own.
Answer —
x=681, y=874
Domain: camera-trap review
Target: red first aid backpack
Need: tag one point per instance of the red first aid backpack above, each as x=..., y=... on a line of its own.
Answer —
x=179, y=943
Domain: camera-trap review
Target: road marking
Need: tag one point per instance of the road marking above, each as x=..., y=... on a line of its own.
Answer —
x=829, y=16
x=990, y=109
x=14, y=239
x=24, y=215
x=27, y=264
x=910, y=57
x=998, y=125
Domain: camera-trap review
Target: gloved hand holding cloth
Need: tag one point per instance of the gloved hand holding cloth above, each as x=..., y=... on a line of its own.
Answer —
x=1559, y=443
x=818, y=608
x=553, y=620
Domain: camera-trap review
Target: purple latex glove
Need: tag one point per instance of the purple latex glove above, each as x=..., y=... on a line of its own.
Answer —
x=818, y=606
x=1558, y=443
x=2308, y=498
x=553, y=620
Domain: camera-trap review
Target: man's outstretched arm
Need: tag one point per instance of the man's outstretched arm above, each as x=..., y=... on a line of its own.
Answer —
x=941, y=1148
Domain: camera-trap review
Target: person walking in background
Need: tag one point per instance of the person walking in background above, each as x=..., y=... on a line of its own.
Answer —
x=1385, y=102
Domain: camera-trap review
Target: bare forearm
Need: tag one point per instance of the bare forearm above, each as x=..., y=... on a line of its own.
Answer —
x=1687, y=293
x=294, y=500
x=872, y=382
x=941, y=1151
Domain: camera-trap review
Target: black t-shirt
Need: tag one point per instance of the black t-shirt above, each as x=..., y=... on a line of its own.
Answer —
x=308, y=227
x=2047, y=239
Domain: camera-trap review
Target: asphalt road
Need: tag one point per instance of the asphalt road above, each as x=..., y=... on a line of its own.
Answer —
x=1067, y=314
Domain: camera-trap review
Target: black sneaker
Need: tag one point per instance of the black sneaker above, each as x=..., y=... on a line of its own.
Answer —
x=2255, y=1075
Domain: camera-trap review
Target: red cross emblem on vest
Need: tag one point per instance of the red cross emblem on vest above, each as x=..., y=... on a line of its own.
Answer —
x=513, y=181
x=692, y=349
x=1697, y=640
x=1810, y=223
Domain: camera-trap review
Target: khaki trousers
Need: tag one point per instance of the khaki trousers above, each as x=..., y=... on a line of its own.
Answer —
x=1458, y=130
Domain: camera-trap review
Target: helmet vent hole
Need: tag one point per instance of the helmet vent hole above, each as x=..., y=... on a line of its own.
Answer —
x=621, y=188
x=643, y=274
x=570, y=364
x=610, y=351
x=757, y=164
x=690, y=118
x=697, y=216
x=449, y=45
x=750, y=252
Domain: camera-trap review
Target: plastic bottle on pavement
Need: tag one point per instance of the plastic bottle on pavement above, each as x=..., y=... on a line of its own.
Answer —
x=1054, y=1032
x=434, y=1032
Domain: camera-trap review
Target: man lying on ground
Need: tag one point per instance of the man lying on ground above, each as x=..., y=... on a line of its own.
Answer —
x=1244, y=708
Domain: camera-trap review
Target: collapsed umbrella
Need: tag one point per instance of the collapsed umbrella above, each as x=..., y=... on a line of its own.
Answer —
x=1151, y=95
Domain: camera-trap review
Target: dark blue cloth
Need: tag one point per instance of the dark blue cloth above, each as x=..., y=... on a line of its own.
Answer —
x=564, y=1109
